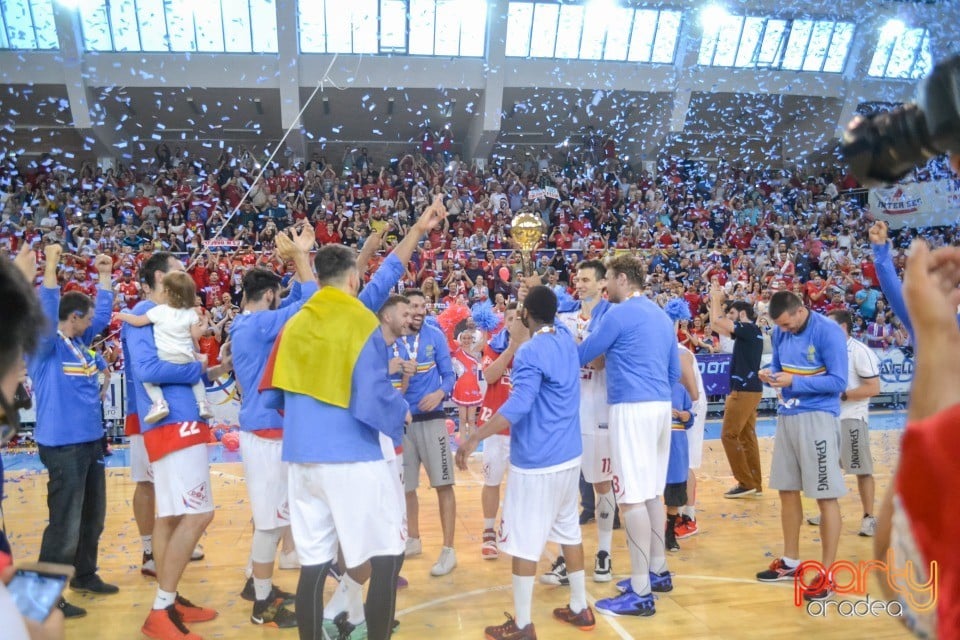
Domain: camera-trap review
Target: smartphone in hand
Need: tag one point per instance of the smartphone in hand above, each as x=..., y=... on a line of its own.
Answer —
x=36, y=588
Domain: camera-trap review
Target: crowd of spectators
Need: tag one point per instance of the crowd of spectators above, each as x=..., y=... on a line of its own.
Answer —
x=754, y=231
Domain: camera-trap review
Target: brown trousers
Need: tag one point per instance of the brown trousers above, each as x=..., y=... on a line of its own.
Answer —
x=739, y=437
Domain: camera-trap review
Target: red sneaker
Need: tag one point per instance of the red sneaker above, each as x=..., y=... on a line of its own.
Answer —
x=191, y=612
x=583, y=620
x=686, y=528
x=509, y=631
x=165, y=624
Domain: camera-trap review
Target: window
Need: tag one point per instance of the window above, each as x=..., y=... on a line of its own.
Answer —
x=215, y=26
x=416, y=27
x=27, y=24
x=901, y=52
x=758, y=42
x=573, y=31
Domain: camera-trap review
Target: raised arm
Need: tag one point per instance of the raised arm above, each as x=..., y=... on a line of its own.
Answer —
x=720, y=323
x=887, y=273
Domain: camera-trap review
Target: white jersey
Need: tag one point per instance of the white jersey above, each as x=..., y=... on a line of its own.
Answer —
x=700, y=406
x=171, y=331
x=695, y=432
x=594, y=410
x=862, y=364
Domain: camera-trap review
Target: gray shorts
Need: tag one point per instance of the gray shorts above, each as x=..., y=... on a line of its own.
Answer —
x=806, y=455
x=428, y=443
x=855, y=447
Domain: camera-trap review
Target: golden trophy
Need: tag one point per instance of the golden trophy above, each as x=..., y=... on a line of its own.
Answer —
x=526, y=229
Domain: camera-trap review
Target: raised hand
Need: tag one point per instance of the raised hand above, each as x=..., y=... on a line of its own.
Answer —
x=878, y=232
x=432, y=217
x=52, y=253
x=104, y=264
x=930, y=288
x=286, y=248
x=26, y=263
x=305, y=237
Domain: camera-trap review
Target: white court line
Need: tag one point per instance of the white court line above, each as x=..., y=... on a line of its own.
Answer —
x=610, y=620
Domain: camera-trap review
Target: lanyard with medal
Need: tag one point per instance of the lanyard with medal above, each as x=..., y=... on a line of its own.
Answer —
x=75, y=350
x=411, y=353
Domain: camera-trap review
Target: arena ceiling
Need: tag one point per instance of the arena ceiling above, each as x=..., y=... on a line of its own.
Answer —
x=95, y=104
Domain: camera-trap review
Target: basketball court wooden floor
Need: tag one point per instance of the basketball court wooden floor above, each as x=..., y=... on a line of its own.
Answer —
x=715, y=594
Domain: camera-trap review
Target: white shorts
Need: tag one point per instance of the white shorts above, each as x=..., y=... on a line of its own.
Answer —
x=695, y=434
x=396, y=471
x=355, y=505
x=597, y=464
x=640, y=442
x=496, y=459
x=181, y=480
x=540, y=508
x=266, y=476
x=594, y=410
x=140, y=468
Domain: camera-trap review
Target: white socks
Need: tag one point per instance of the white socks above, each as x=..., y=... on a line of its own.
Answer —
x=348, y=596
x=578, y=591
x=658, y=524
x=355, y=613
x=262, y=587
x=690, y=511
x=147, y=542
x=164, y=599
x=637, y=522
x=523, y=599
x=489, y=523
x=606, y=507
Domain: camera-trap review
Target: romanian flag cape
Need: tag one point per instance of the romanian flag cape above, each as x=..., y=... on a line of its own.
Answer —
x=316, y=353
x=926, y=483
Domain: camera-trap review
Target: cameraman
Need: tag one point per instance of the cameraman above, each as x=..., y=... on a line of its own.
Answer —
x=22, y=322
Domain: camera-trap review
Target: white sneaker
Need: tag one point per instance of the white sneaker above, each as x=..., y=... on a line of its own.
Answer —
x=205, y=411
x=446, y=563
x=197, y=553
x=289, y=560
x=868, y=526
x=414, y=547
x=814, y=520
x=158, y=411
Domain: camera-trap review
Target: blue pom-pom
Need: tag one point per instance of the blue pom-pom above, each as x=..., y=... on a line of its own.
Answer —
x=677, y=309
x=484, y=316
x=218, y=434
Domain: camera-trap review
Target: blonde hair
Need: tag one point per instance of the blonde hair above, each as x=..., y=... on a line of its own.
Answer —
x=180, y=290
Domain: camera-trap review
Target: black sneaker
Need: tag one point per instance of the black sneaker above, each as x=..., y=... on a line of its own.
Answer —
x=346, y=629
x=586, y=517
x=70, y=611
x=272, y=613
x=557, y=576
x=602, y=567
x=670, y=534
x=822, y=594
x=250, y=594
x=739, y=491
x=93, y=584
x=777, y=572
